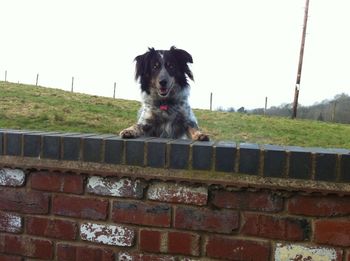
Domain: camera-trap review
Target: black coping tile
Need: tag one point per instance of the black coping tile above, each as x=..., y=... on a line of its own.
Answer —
x=93, y=147
x=179, y=154
x=345, y=168
x=51, y=148
x=326, y=165
x=249, y=156
x=202, y=155
x=134, y=151
x=71, y=146
x=14, y=143
x=275, y=160
x=225, y=156
x=300, y=162
x=114, y=150
x=156, y=152
x=1, y=142
x=32, y=144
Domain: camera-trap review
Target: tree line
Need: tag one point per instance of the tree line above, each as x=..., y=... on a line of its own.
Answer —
x=333, y=110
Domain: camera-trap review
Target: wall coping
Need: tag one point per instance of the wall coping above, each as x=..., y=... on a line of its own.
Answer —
x=225, y=163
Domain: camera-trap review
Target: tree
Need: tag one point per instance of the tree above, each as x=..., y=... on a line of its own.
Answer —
x=241, y=110
x=320, y=117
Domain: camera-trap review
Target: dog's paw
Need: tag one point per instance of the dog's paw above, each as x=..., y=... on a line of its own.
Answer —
x=202, y=137
x=128, y=134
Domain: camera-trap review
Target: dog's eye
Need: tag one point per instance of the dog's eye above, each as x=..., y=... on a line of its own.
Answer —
x=156, y=66
x=170, y=65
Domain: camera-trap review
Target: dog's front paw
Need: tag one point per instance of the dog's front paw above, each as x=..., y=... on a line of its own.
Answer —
x=128, y=134
x=202, y=137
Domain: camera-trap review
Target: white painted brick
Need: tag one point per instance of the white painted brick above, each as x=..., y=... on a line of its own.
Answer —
x=12, y=177
x=115, y=187
x=107, y=234
x=298, y=252
x=178, y=193
x=11, y=223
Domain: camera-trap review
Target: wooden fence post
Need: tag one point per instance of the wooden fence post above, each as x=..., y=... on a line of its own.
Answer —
x=72, y=84
x=211, y=101
x=333, y=110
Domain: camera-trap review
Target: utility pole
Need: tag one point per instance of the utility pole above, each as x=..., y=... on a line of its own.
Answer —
x=301, y=56
x=265, y=108
x=37, y=79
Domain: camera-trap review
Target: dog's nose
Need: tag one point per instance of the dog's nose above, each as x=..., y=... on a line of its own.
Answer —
x=163, y=83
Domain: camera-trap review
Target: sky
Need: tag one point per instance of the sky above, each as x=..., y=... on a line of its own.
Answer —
x=243, y=51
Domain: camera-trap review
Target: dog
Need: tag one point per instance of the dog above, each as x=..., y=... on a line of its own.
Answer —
x=165, y=110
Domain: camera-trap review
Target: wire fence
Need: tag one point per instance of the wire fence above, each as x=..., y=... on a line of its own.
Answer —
x=71, y=85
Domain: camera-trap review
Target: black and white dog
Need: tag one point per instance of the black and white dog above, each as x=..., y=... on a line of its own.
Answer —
x=165, y=110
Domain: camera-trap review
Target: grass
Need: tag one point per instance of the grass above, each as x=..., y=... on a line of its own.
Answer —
x=38, y=108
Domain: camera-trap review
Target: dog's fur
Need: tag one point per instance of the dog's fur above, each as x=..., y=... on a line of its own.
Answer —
x=165, y=110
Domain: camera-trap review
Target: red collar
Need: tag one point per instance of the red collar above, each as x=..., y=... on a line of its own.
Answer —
x=163, y=107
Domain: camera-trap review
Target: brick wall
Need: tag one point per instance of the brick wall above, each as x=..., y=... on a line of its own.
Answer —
x=92, y=197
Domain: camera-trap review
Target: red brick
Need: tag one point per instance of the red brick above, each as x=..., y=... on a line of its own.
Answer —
x=150, y=241
x=28, y=202
x=55, y=228
x=244, y=200
x=319, y=206
x=141, y=213
x=26, y=246
x=68, y=252
x=236, y=249
x=333, y=232
x=57, y=182
x=178, y=193
x=183, y=243
x=220, y=221
x=11, y=223
x=275, y=227
x=10, y=258
x=80, y=207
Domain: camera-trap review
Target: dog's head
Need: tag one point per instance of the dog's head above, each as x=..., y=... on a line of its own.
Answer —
x=162, y=70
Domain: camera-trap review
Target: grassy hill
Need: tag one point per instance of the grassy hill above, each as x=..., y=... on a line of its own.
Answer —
x=38, y=108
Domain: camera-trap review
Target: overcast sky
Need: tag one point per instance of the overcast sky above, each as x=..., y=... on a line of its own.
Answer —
x=242, y=50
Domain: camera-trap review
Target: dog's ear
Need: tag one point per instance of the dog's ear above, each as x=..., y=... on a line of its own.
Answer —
x=142, y=69
x=183, y=57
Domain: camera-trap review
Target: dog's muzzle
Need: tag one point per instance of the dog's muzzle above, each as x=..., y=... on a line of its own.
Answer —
x=163, y=89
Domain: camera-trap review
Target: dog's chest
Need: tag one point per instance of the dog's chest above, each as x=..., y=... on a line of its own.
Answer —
x=168, y=123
